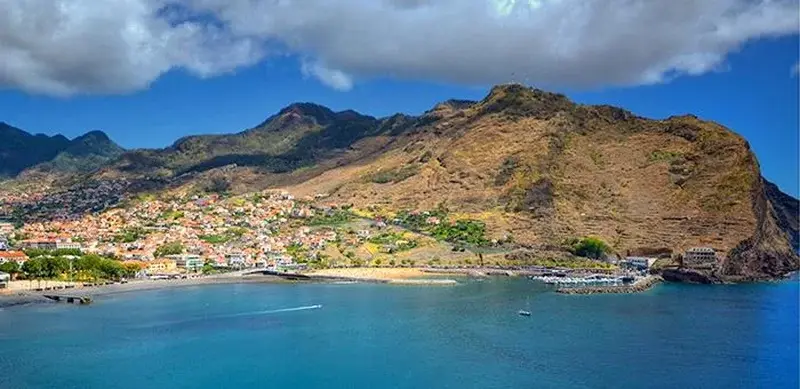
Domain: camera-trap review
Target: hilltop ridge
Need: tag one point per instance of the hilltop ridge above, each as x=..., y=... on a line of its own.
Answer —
x=21, y=151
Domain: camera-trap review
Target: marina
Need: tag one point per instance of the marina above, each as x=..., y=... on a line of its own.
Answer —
x=589, y=280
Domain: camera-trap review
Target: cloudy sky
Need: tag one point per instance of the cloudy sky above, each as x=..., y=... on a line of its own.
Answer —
x=66, y=47
x=93, y=60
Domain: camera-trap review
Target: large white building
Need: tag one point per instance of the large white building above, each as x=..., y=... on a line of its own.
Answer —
x=51, y=244
x=237, y=260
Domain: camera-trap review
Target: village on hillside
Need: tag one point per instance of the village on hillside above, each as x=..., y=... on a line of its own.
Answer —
x=185, y=235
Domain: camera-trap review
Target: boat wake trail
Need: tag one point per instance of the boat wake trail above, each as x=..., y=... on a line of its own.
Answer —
x=259, y=313
x=224, y=317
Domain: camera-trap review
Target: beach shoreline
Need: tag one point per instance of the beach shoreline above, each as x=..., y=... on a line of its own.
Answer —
x=27, y=297
x=394, y=276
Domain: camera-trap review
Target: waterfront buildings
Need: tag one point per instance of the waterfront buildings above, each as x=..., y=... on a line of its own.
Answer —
x=188, y=262
x=700, y=257
x=4, y=280
x=640, y=263
x=236, y=260
x=161, y=266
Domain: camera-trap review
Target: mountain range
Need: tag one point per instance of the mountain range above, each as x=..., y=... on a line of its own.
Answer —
x=21, y=151
x=530, y=164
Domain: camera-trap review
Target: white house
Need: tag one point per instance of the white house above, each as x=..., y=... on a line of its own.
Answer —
x=641, y=263
x=238, y=260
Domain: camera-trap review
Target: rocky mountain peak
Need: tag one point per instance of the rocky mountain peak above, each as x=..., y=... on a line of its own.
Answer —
x=321, y=114
x=517, y=100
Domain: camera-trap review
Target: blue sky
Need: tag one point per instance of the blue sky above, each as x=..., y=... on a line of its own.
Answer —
x=747, y=86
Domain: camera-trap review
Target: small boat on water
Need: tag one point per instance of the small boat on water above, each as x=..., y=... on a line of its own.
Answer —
x=523, y=313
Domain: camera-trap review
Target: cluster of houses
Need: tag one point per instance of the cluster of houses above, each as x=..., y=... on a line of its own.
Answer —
x=222, y=232
x=68, y=204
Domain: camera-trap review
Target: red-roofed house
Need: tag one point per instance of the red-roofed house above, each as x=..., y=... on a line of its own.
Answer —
x=13, y=256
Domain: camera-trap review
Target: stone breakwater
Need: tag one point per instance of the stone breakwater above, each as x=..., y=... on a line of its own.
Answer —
x=639, y=286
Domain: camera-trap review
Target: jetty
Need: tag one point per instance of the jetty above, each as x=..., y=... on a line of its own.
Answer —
x=637, y=287
x=588, y=280
x=82, y=300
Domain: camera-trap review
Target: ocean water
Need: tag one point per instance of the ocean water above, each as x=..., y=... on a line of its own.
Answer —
x=380, y=336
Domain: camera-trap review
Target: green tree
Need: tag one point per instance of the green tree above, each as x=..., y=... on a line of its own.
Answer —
x=131, y=268
x=54, y=266
x=591, y=247
x=208, y=268
x=172, y=248
x=34, y=268
x=10, y=267
x=88, y=262
x=110, y=268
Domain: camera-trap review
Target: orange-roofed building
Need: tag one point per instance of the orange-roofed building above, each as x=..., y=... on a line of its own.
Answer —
x=13, y=256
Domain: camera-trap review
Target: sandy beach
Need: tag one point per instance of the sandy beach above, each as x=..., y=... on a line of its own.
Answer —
x=22, y=292
x=386, y=274
x=410, y=276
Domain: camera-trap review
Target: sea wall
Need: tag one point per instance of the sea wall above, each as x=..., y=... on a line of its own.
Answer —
x=639, y=286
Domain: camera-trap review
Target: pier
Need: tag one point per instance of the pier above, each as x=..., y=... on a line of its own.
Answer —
x=82, y=300
x=639, y=286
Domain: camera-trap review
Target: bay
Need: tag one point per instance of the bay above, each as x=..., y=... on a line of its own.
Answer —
x=382, y=336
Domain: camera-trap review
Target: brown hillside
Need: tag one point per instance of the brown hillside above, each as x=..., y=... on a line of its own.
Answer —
x=545, y=169
x=528, y=163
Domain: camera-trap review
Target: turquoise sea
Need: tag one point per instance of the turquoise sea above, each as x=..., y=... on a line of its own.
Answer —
x=380, y=336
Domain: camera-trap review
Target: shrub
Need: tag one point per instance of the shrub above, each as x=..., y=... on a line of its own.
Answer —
x=169, y=249
x=590, y=247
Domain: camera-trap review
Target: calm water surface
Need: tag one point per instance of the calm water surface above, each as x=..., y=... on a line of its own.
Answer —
x=379, y=336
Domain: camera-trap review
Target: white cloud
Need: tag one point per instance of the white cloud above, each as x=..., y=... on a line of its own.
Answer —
x=63, y=47
x=335, y=79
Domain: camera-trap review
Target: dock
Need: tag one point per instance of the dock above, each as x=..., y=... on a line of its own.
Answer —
x=82, y=300
x=637, y=287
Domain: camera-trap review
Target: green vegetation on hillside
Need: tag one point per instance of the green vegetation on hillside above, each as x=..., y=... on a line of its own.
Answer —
x=464, y=231
x=231, y=234
x=172, y=215
x=334, y=217
x=395, y=241
x=215, y=238
x=130, y=235
x=588, y=247
x=172, y=248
